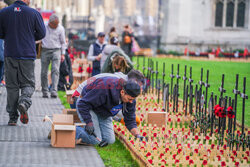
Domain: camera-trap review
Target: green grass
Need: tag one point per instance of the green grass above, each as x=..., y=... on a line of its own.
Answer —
x=115, y=155
x=216, y=69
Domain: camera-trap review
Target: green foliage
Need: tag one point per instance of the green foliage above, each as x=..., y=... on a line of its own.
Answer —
x=216, y=69
x=115, y=155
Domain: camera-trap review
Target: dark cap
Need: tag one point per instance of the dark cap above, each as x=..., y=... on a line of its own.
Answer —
x=132, y=88
x=114, y=41
x=101, y=34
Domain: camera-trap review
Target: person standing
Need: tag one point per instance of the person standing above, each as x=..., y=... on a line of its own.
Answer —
x=20, y=27
x=95, y=51
x=127, y=37
x=53, y=50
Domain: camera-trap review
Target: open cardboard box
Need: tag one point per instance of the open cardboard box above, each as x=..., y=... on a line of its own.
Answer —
x=69, y=94
x=157, y=118
x=63, y=131
x=72, y=112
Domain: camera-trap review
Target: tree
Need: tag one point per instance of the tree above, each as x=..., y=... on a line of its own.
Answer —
x=9, y=2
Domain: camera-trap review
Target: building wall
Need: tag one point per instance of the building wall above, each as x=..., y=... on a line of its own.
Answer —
x=191, y=23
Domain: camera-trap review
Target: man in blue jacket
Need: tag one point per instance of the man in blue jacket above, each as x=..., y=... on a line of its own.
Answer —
x=99, y=102
x=20, y=27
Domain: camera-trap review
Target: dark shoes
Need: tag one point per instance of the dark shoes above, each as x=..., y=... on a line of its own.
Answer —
x=53, y=95
x=45, y=95
x=12, y=122
x=24, y=118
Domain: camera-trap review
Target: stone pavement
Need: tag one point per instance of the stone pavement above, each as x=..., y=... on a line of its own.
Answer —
x=28, y=146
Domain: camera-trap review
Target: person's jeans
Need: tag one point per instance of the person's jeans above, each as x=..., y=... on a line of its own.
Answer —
x=1, y=70
x=47, y=55
x=103, y=129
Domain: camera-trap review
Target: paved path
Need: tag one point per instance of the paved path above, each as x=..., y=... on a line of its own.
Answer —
x=28, y=146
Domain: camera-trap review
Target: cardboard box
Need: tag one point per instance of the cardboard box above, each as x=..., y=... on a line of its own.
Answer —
x=158, y=118
x=69, y=94
x=63, y=131
x=72, y=112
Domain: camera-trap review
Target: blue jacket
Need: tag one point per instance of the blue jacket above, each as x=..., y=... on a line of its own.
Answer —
x=20, y=27
x=101, y=96
x=1, y=50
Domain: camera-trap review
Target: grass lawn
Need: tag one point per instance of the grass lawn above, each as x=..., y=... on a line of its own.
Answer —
x=216, y=69
x=115, y=155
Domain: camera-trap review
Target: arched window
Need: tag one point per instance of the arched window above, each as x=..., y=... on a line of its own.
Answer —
x=219, y=13
x=230, y=13
x=241, y=13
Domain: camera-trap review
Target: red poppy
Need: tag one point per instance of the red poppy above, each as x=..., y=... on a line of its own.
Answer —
x=238, y=132
x=144, y=134
x=166, y=150
x=246, y=158
x=132, y=142
x=139, y=108
x=223, y=163
x=237, y=164
x=123, y=132
x=188, y=145
x=191, y=162
x=89, y=70
x=148, y=154
x=144, y=143
x=204, y=162
x=179, y=151
x=115, y=126
x=216, y=130
x=163, y=129
x=221, y=151
x=174, y=156
x=247, y=152
x=150, y=161
x=196, y=150
x=225, y=146
x=187, y=157
x=155, y=134
x=219, y=158
x=212, y=146
x=235, y=152
x=163, y=160
x=145, y=98
x=174, y=135
x=196, y=137
x=178, y=120
x=207, y=137
x=119, y=129
x=177, y=161
x=216, y=106
x=169, y=119
x=142, y=148
x=154, y=148
x=146, y=109
x=161, y=155
x=208, y=150
x=230, y=112
x=80, y=69
x=155, y=109
x=232, y=158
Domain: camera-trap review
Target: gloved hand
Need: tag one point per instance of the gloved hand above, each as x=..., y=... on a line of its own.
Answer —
x=141, y=137
x=89, y=128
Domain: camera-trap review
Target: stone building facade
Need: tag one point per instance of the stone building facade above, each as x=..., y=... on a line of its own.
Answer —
x=206, y=24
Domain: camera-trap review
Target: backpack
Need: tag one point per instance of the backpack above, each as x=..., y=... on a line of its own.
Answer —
x=127, y=39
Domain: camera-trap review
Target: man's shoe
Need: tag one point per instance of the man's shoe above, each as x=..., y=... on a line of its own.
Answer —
x=53, y=95
x=45, y=95
x=12, y=122
x=24, y=118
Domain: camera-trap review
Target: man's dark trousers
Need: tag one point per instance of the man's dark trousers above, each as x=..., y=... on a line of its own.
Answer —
x=19, y=75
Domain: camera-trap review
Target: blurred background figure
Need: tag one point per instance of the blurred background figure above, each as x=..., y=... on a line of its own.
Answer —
x=95, y=51
x=127, y=36
x=112, y=33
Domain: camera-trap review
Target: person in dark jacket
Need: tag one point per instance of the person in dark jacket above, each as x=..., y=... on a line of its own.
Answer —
x=20, y=27
x=95, y=51
x=102, y=99
x=66, y=75
x=127, y=38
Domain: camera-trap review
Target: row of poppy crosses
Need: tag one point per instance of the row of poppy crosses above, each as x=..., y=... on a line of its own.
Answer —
x=175, y=143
